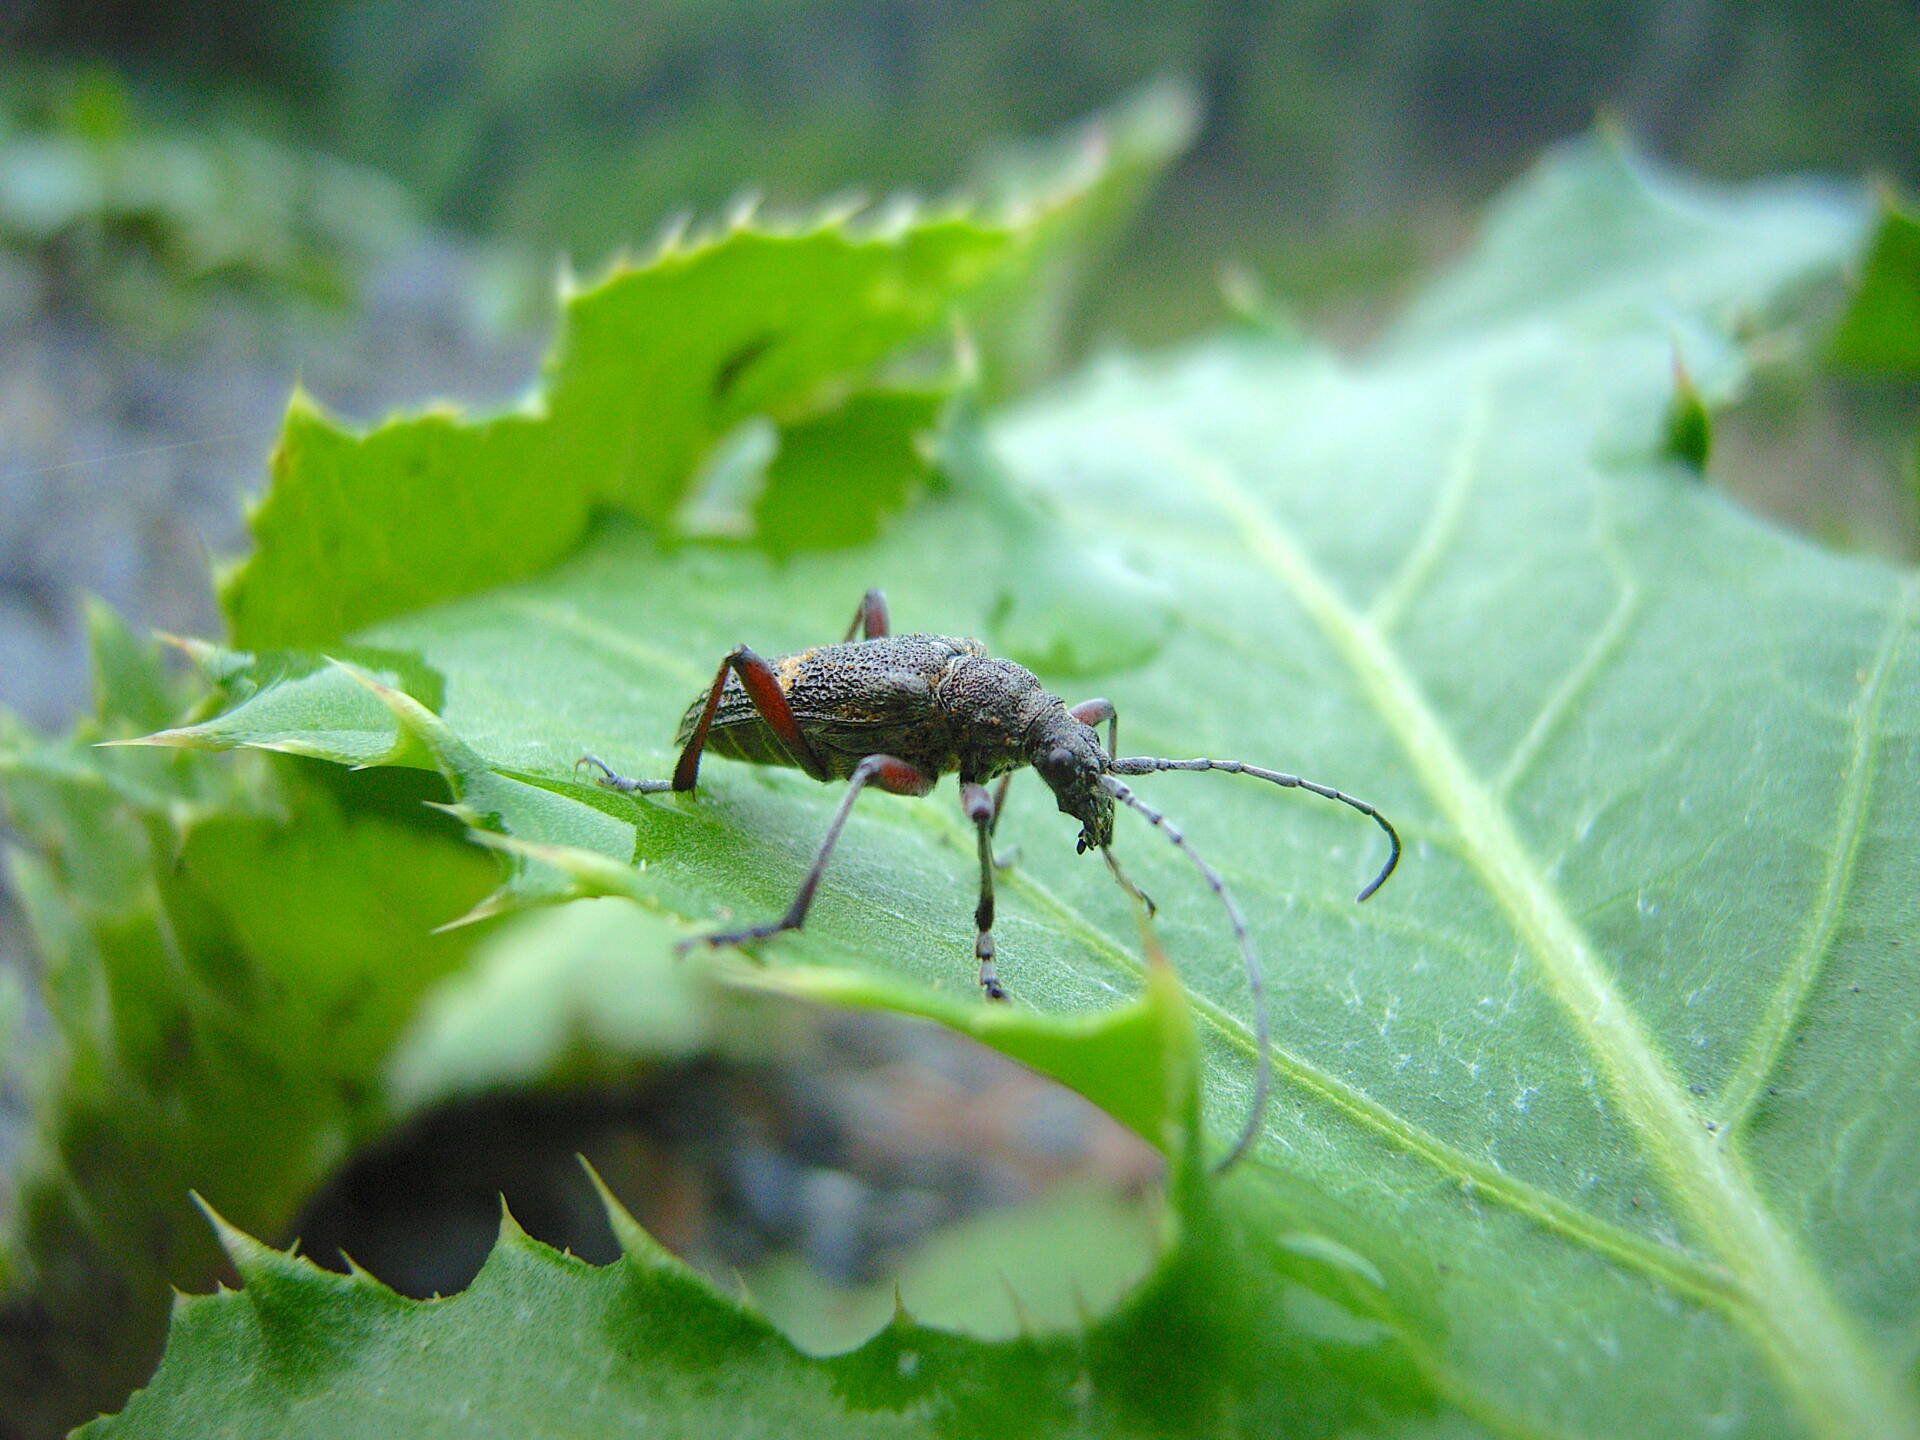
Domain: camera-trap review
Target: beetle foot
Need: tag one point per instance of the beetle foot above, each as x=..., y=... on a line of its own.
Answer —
x=727, y=939
x=989, y=982
x=609, y=779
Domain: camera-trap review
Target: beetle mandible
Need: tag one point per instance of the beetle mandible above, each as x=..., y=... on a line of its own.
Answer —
x=900, y=711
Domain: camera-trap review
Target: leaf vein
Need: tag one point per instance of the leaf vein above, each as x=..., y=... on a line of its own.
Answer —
x=1842, y=1387
x=1685, y=1272
x=1585, y=672
x=1796, y=983
x=1443, y=520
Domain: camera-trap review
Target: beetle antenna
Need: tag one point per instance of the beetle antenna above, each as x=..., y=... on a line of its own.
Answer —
x=1144, y=765
x=1256, y=984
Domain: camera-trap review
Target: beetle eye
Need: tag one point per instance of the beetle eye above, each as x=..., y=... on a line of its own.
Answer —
x=1060, y=757
x=1081, y=847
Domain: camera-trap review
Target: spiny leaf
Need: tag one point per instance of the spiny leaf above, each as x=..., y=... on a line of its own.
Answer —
x=1610, y=1055
x=874, y=446
x=1880, y=330
x=434, y=506
x=1689, y=425
x=226, y=961
x=655, y=364
x=541, y=1344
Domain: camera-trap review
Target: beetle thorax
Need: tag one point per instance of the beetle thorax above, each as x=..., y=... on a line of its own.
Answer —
x=991, y=706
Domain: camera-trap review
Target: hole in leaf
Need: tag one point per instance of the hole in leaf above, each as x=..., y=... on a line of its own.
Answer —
x=815, y=1156
x=720, y=501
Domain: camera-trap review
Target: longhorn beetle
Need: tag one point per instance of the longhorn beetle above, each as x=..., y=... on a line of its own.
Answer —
x=900, y=711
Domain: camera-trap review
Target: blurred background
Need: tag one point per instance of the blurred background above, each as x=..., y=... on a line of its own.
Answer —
x=200, y=203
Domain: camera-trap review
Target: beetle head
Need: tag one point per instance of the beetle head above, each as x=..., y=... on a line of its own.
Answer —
x=1068, y=756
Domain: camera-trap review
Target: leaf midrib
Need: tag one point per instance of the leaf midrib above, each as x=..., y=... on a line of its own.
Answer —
x=1840, y=1385
x=1686, y=1273
x=1677, y=1268
x=1681, y=1270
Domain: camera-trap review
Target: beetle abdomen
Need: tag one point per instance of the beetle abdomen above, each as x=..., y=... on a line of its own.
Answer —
x=852, y=700
x=750, y=740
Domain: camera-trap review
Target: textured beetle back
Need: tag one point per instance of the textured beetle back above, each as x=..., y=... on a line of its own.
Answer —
x=853, y=699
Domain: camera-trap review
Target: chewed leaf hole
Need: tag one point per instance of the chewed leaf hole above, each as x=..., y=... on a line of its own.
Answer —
x=819, y=1161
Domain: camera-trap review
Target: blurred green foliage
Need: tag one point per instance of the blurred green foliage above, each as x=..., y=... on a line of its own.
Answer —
x=1880, y=333
x=1345, y=141
x=139, y=222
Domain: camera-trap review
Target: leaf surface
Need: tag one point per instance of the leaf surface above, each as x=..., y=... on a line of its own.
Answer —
x=659, y=362
x=227, y=957
x=1880, y=331
x=1608, y=1082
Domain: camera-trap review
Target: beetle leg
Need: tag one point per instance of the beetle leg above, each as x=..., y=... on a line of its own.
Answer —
x=981, y=810
x=609, y=780
x=890, y=774
x=763, y=689
x=999, y=800
x=1092, y=712
x=870, y=620
x=1002, y=859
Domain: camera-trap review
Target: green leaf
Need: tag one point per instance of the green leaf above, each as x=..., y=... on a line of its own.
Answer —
x=591, y=994
x=647, y=1341
x=836, y=478
x=226, y=959
x=1705, y=263
x=305, y=1352
x=1607, y=1058
x=565, y=994
x=657, y=364
x=1880, y=330
x=1689, y=424
x=304, y=704
x=542, y=1344
x=1104, y=171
